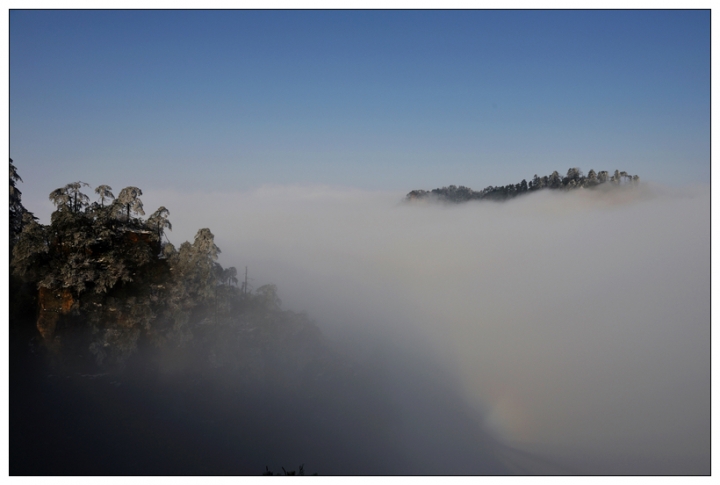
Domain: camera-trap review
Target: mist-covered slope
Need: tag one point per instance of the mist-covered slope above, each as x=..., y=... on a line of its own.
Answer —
x=131, y=357
x=307, y=405
x=558, y=333
x=576, y=323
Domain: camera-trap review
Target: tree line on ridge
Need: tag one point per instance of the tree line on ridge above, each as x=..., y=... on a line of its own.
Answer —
x=574, y=179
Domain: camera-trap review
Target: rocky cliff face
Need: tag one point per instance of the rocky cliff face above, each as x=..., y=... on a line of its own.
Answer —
x=52, y=304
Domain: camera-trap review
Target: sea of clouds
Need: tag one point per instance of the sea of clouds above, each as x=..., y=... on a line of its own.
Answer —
x=576, y=325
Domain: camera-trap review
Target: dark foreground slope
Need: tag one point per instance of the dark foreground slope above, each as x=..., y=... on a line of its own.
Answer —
x=313, y=408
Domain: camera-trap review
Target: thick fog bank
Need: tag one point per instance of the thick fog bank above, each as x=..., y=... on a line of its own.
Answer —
x=577, y=325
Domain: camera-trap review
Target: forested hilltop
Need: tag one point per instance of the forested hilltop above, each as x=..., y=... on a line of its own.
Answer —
x=573, y=180
x=103, y=277
x=113, y=331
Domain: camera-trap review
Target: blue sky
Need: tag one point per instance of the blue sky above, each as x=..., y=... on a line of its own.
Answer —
x=388, y=100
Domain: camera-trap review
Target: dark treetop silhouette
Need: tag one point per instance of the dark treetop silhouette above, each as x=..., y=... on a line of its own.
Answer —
x=573, y=180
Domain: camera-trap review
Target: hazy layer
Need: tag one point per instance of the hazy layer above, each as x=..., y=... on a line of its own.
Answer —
x=577, y=324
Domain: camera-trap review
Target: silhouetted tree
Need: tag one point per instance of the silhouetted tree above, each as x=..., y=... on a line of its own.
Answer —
x=18, y=213
x=159, y=220
x=105, y=193
x=592, y=179
x=129, y=200
x=70, y=197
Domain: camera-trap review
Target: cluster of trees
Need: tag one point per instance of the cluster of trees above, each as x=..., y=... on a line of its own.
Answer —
x=573, y=180
x=120, y=343
x=103, y=275
x=18, y=213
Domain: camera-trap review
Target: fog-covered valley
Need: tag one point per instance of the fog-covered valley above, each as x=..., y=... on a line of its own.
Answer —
x=555, y=333
x=573, y=325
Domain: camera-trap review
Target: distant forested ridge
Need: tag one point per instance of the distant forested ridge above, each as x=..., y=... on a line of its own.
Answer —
x=573, y=180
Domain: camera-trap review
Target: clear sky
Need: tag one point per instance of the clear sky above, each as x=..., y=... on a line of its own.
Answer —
x=389, y=100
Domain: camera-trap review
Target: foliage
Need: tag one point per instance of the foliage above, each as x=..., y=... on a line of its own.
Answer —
x=21, y=295
x=19, y=216
x=573, y=180
x=102, y=272
x=141, y=335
